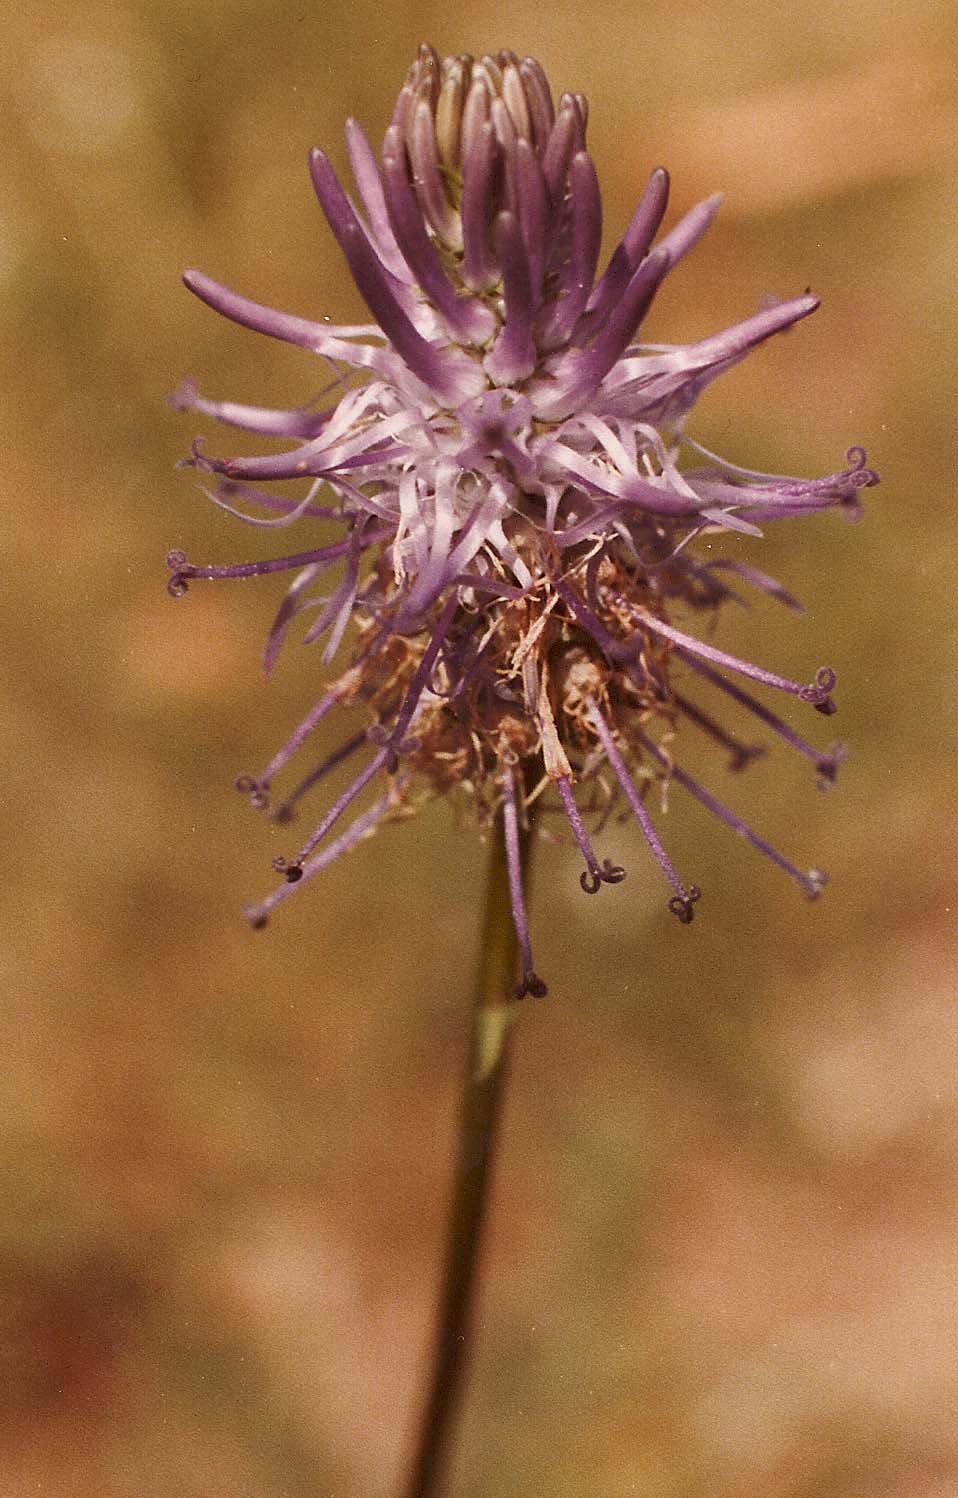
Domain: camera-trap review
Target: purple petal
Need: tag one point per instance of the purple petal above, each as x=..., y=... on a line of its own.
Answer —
x=467, y=319
x=635, y=243
x=689, y=230
x=318, y=338
x=427, y=177
x=581, y=373
x=513, y=355
x=441, y=373
x=366, y=174
x=479, y=268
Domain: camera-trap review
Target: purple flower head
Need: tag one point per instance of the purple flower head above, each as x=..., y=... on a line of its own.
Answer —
x=505, y=458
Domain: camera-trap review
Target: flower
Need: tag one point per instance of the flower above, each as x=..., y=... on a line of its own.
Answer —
x=518, y=533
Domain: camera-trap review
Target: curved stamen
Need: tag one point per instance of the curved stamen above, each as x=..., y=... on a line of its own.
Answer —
x=812, y=882
x=741, y=755
x=258, y=915
x=816, y=692
x=683, y=900
x=857, y=475
x=348, y=796
x=288, y=511
x=182, y=571
x=257, y=787
x=758, y=579
x=285, y=811
x=825, y=762
x=596, y=874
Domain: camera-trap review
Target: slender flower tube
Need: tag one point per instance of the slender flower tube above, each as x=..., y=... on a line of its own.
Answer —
x=519, y=502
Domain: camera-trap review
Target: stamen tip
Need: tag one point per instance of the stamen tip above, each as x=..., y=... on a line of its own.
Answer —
x=256, y=790
x=682, y=906
x=531, y=985
x=828, y=766
x=178, y=564
x=818, y=692
x=744, y=755
x=183, y=398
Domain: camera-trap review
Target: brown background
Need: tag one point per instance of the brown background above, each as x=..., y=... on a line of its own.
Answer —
x=724, y=1253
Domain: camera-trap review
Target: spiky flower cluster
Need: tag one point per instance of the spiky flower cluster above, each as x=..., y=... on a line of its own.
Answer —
x=518, y=531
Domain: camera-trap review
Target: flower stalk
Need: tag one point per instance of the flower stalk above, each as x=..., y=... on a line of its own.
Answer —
x=494, y=1010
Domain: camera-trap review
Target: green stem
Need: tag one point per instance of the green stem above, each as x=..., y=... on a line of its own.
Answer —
x=493, y=1013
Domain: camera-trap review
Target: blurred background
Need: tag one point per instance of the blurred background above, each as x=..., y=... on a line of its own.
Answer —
x=724, y=1240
